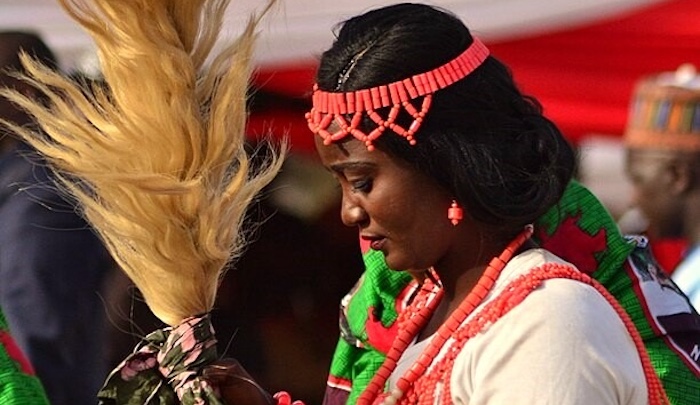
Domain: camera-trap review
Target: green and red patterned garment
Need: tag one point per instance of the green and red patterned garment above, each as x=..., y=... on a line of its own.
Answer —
x=579, y=230
x=18, y=384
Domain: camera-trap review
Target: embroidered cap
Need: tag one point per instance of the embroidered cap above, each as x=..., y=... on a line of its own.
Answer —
x=665, y=111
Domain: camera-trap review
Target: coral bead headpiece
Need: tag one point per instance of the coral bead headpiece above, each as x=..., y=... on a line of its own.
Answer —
x=347, y=108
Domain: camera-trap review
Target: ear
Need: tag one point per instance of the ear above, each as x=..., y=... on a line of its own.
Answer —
x=682, y=176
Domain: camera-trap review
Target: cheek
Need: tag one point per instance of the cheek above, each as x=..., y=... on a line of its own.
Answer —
x=646, y=200
x=393, y=213
x=640, y=194
x=425, y=220
x=645, y=187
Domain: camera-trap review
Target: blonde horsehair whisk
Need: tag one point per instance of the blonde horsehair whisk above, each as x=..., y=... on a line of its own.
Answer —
x=156, y=158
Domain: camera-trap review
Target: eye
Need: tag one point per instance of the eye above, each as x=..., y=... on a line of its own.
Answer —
x=635, y=179
x=361, y=185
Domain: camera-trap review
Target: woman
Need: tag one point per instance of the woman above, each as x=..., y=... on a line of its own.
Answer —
x=443, y=166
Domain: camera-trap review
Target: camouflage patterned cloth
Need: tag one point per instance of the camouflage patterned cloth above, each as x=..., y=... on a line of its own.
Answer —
x=579, y=230
x=18, y=384
x=163, y=369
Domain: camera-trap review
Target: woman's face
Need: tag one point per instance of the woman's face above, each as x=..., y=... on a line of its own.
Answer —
x=398, y=210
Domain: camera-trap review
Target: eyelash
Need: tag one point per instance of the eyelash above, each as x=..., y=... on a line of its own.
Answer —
x=362, y=186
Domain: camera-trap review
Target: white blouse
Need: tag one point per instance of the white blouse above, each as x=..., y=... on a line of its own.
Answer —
x=564, y=344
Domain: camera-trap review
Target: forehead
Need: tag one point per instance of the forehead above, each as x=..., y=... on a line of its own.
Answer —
x=346, y=150
x=650, y=156
x=352, y=155
x=647, y=161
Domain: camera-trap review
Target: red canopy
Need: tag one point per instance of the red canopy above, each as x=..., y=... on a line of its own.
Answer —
x=583, y=76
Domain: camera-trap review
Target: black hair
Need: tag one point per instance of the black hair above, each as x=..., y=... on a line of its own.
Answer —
x=12, y=42
x=482, y=139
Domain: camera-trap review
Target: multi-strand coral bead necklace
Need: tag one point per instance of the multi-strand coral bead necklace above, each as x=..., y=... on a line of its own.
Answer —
x=417, y=386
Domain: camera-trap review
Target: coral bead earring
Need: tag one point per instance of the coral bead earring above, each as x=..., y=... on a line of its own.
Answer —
x=455, y=213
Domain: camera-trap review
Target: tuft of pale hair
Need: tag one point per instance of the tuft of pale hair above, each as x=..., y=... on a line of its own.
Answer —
x=156, y=158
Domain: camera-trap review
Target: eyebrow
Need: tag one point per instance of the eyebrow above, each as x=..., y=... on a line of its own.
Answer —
x=341, y=167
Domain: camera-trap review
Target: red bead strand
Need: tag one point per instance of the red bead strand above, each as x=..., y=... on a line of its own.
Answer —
x=410, y=326
x=427, y=385
x=422, y=308
x=418, y=387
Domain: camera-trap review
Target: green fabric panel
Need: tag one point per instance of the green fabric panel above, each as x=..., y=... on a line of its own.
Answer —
x=593, y=219
x=378, y=289
x=364, y=368
x=580, y=209
x=355, y=359
x=17, y=387
x=681, y=385
x=21, y=389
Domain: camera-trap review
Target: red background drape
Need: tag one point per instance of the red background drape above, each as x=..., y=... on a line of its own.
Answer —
x=583, y=76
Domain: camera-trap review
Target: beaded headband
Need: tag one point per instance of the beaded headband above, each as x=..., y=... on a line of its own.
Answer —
x=329, y=106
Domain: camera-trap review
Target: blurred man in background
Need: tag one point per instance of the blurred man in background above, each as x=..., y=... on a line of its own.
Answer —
x=52, y=265
x=663, y=162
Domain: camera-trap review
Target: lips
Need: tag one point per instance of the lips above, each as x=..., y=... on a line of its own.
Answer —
x=375, y=242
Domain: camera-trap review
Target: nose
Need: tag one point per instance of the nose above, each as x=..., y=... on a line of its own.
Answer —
x=352, y=213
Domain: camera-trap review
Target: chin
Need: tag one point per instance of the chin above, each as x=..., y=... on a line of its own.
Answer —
x=402, y=266
x=393, y=264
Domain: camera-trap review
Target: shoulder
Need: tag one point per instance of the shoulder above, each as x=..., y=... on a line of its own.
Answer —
x=525, y=263
x=564, y=343
x=570, y=310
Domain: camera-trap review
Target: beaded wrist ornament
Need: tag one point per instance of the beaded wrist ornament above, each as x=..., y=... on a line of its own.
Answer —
x=329, y=106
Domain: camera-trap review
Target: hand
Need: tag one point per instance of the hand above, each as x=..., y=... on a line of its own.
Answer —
x=283, y=398
x=235, y=385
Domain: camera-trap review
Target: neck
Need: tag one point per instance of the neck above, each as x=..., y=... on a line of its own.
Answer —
x=461, y=269
x=455, y=290
x=457, y=283
x=457, y=286
x=691, y=220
